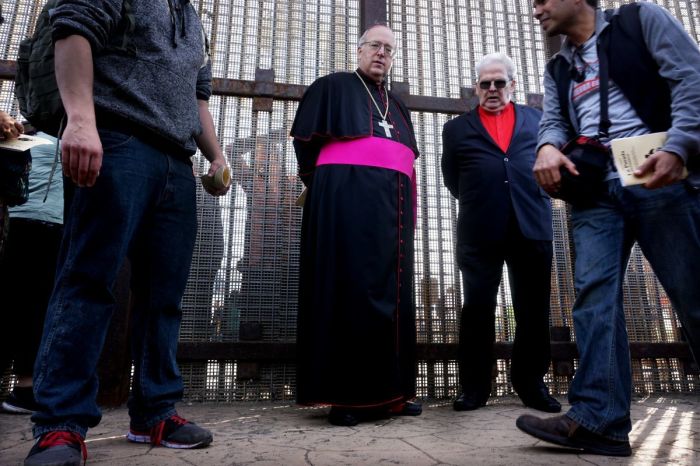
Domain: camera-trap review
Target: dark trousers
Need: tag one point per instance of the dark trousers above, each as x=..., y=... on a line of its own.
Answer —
x=529, y=267
x=27, y=270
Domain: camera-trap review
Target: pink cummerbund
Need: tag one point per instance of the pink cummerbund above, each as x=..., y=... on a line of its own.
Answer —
x=370, y=152
x=373, y=152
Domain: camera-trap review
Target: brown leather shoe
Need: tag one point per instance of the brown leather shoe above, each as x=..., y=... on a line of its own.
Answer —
x=563, y=431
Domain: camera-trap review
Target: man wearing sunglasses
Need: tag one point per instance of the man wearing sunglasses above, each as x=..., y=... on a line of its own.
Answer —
x=504, y=217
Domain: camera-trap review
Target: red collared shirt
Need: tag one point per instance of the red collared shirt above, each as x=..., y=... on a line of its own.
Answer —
x=500, y=127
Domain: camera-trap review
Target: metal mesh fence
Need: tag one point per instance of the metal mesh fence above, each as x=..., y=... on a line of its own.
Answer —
x=245, y=265
x=219, y=381
x=245, y=268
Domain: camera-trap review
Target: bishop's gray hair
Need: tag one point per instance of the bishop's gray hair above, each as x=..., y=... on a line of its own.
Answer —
x=498, y=57
x=362, y=38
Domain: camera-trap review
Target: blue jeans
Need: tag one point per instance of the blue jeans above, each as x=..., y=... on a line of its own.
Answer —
x=666, y=224
x=142, y=206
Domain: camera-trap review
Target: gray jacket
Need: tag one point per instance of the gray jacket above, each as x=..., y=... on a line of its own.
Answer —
x=156, y=85
x=678, y=58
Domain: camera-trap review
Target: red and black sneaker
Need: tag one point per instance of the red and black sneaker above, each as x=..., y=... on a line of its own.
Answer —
x=58, y=447
x=174, y=432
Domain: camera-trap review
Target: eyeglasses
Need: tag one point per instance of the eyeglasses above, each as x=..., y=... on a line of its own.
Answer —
x=499, y=83
x=375, y=46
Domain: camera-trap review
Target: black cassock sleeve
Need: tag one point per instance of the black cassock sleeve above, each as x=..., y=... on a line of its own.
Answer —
x=331, y=107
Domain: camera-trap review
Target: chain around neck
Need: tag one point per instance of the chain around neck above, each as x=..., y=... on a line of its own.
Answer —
x=386, y=110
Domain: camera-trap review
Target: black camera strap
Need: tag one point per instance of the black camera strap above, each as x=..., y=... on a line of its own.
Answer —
x=604, y=124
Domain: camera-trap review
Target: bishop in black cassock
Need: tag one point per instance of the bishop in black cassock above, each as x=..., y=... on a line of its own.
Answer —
x=355, y=146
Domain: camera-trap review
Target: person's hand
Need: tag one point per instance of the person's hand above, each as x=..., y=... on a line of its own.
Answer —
x=216, y=164
x=547, y=166
x=9, y=128
x=666, y=168
x=81, y=152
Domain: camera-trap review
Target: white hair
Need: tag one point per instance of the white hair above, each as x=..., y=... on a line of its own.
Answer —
x=362, y=38
x=498, y=57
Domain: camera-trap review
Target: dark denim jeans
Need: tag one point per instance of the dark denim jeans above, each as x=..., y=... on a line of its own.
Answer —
x=143, y=207
x=666, y=224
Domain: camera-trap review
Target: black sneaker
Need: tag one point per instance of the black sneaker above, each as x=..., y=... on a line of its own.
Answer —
x=174, y=432
x=20, y=401
x=57, y=448
x=344, y=416
x=468, y=401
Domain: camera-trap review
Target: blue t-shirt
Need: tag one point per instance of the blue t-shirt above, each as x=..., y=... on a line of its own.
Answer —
x=35, y=208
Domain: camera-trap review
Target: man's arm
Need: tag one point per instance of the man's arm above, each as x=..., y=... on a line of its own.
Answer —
x=554, y=128
x=678, y=58
x=552, y=135
x=81, y=148
x=209, y=146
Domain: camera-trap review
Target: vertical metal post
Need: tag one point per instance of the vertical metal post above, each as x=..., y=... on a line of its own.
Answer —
x=552, y=44
x=372, y=12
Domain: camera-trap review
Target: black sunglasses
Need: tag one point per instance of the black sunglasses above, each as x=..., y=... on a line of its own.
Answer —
x=499, y=83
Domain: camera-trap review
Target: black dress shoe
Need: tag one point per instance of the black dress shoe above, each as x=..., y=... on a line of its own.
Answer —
x=541, y=400
x=468, y=402
x=562, y=430
x=343, y=416
x=408, y=408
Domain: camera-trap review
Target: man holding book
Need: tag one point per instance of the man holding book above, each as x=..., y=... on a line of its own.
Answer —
x=654, y=86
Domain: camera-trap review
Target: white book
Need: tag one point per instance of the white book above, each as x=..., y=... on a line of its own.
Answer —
x=630, y=153
x=22, y=143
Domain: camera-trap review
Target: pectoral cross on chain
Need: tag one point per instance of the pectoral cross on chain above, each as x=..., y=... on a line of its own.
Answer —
x=387, y=127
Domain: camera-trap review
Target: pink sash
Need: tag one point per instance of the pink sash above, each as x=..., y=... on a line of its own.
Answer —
x=372, y=152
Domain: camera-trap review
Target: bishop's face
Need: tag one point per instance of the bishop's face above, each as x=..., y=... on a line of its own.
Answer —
x=494, y=88
x=372, y=56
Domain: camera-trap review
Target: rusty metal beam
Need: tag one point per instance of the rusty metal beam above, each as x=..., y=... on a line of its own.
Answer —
x=282, y=91
x=241, y=351
x=8, y=69
x=552, y=45
x=270, y=352
x=242, y=88
x=421, y=103
x=372, y=12
x=564, y=350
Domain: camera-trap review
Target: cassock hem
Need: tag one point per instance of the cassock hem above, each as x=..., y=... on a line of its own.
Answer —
x=379, y=404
